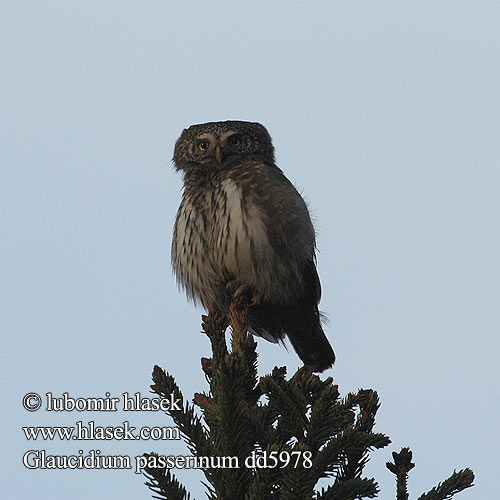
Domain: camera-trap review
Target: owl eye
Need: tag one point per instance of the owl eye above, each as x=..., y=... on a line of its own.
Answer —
x=235, y=140
x=203, y=145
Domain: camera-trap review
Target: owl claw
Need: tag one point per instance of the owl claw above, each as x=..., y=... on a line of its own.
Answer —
x=254, y=301
x=238, y=289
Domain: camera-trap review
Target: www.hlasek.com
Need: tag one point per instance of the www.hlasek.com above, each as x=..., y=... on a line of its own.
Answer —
x=93, y=432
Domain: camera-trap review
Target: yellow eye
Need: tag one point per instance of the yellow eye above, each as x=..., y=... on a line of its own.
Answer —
x=202, y=145
x=235, y=140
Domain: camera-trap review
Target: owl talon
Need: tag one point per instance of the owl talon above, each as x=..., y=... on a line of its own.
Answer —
x=238, y=289
x=254, y=301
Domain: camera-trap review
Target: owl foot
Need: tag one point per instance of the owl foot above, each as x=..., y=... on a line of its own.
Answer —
x=238, y=289
x=309, y=369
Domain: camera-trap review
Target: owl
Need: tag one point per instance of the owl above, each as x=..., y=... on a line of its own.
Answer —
x=243, y=229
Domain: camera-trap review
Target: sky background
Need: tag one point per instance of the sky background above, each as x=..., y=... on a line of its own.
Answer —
x=386, y=116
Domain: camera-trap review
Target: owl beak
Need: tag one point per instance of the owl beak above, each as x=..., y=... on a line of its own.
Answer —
x=218, y=153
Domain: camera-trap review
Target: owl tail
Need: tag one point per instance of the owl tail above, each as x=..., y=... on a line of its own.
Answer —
x=301, y=323
x=311, y=344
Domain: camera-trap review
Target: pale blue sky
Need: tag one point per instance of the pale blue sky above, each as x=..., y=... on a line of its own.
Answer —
x=384, y=114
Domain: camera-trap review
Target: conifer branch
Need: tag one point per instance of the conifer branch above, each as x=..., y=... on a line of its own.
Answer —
x=162, y=482
x=400, y=468
x=186, y=420
x=301, y=420
x=457, y=482
x=350, y=489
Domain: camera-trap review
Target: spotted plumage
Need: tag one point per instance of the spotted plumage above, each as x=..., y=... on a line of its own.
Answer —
x=242, y=227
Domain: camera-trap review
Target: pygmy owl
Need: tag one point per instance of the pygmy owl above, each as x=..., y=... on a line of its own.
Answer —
x=242, y=227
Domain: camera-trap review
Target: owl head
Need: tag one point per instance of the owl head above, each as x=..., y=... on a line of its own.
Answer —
x=216, y=145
